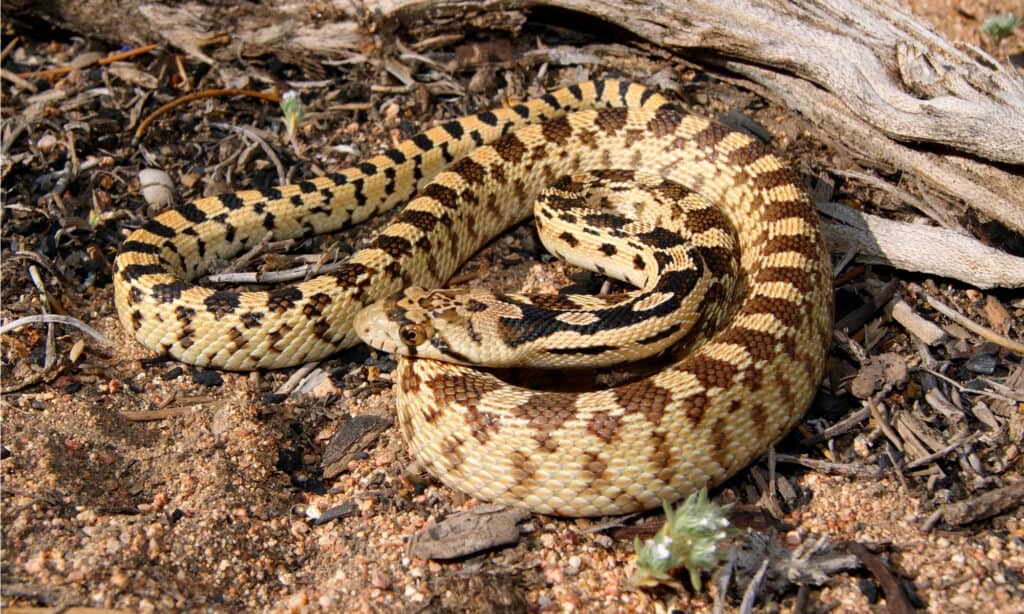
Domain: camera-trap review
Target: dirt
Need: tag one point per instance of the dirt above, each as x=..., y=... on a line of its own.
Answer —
x=137, y=483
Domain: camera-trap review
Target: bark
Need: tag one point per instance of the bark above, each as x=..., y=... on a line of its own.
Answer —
x=870, y=78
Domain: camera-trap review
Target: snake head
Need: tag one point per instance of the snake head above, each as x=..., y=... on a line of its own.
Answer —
x=396, y=324
x=458, y=326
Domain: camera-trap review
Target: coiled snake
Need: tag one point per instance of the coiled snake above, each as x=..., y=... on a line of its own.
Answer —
x=755, y=362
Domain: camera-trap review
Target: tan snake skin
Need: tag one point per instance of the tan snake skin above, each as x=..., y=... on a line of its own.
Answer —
x=671, y=243
x=604, y=452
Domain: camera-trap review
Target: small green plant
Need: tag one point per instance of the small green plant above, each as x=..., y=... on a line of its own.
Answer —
x=294, y=114
x=689, y=539
x=998, y=27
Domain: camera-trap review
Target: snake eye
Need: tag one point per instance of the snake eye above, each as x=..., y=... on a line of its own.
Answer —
x=412, y=334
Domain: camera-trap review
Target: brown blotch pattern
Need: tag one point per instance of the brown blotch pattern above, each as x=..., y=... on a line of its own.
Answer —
x=760, y=345
x=222, y=303
x=557, y=130
x=510, y=148
x=604, y=425
x=451, y=449
x=349, y=274
x=594, y=465
x=410, y=381
x=785, y=311
x=696, y=405
x=553, y=302
x=545, y=413
x=806, y=246
x=316, y=304
x=721, y=451
x=747, y=153
x=396, y=247
x=465, y=392
x=783, y=209
x=322, y=330
x=798, y=278
x=423, y=220
x=644, y=397
x=283, y=299
x=610, y=120
x=471, y=171
x=776, y=177
x=712, y=372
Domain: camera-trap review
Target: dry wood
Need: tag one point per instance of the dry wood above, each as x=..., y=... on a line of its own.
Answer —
x=923, y=329
x=896, y=600
x=985, y=505
x=978, y=329
x=921, y=248
x=871, y=79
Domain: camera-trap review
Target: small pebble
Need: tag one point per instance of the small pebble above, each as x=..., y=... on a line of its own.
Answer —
x=985, y=364
x=205, y=377
x=171, y=373
x=573, y=567
x=157, y=187
x=870, y=590
x=46, y=143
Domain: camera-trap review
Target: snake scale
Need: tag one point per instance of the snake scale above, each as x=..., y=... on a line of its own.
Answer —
x=746, y=381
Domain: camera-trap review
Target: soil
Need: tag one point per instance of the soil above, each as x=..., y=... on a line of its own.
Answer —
x=137, y=483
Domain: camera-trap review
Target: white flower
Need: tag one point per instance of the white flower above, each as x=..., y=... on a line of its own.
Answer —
x=660, y=548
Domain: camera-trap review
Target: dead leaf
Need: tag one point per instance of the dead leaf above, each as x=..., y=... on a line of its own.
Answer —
x=884, y=370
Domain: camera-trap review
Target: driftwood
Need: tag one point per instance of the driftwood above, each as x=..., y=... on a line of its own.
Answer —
x=872, y=80
x=920, y=248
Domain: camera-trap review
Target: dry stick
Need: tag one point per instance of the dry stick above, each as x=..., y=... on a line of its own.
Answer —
x=47, y=303
x=64, y=174
x=1004, y=396
x=934, y=456
x=172, y=407
x=860, y=316
x=985, y=505
x=11, y=46
x=919, y=326
x=1010, y=394
x=919, y=248
x=63, y=70
x=900, y=195
x=971, y=325
x=18, y=81
x=50, y=318
x=265, y=244
x=848, y=470
x=267, y=149
x=750, y=595
x=213, y=93
x=273, y=277
x=722, y=580
x=894, y=597
x=39, y=259
x=838, y=428
x=884, y=426
x=296, y=378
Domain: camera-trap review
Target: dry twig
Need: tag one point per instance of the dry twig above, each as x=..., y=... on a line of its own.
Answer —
x=49, y=73
x=272, y=96
x=50, y=318
x=982, y=331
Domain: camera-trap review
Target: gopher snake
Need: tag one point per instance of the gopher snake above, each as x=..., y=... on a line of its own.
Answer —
x=610, y=451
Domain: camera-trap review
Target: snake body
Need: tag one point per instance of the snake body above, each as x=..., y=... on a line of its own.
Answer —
x=641, y=229
x=745, y=383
